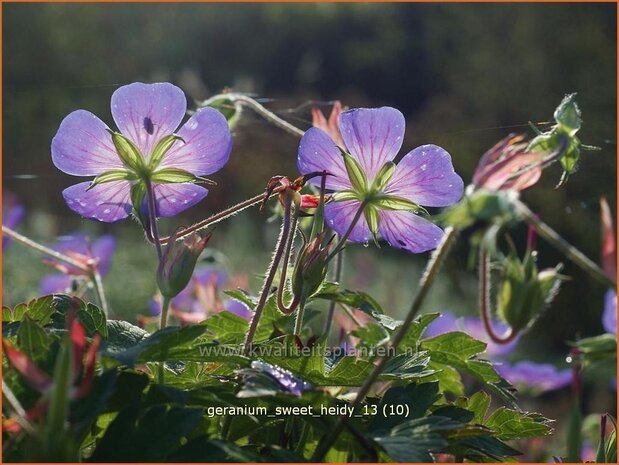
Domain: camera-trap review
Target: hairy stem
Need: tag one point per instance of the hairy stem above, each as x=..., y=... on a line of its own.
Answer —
x=163, y=322
x=270, y=276
x=288, y=309
x=349, y=231
x=298, y=322
x=95, y=277
x=154, y=230
x=245, y=101
x=339, y=264
x=6, y=231
x=222, y=215
x=427, y=279
x=563, y=246
x=484, y=300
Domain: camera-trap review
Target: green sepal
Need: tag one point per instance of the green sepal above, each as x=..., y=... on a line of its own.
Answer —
x=342, y=196
x=177, y=175
x=112, y=175
x=161, y=149
x=355, y=173
x=319, y=214
x=138, y=194
x=373, y=219
x=568, y=116
x=128, y=152
x=393, y=202
x=383, y=176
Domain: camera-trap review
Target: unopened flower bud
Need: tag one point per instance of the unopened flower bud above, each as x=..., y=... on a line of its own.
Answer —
x=311, y=268
x=525, y=291
x=178, y=262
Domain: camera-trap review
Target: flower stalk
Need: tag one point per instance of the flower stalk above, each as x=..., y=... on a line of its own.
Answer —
x=427, y=279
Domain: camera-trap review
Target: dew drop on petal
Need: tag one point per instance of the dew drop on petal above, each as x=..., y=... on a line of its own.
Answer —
x=107, y=210
x=366, y=244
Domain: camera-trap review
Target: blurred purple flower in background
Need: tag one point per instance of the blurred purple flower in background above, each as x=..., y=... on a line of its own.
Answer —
x=393, y=193
x=609, y=317
x=145, y=115
x=79, y=247
x=12, y=214
x=201, y=298
x=539, y=377
x=532, y=376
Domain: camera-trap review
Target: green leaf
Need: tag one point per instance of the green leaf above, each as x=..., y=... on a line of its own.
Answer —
x=227, y=328
x=510, y=424
x=598, y=348
x=202, y=449
x=128, y=152
x=355, y=173
x=478, y=403
x=93, y=319
x=457, y=343
x=161, y=149
x=122, y=335
x=32, y=339
x=148, y=436
x=383, y=176
x=481, y=205
x=112, y=175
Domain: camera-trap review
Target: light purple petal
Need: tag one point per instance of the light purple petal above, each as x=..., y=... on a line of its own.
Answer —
x=239, y=309
x=318, y=152
x=208, y=274
x=339, y=216
x=171, y=199
x=12, y=214
x=445, y=323
x=474, y=327
x=426, y=176
x=535, y=376
x=72, y=242
x=83, y=147
x=373, y=136
x=146, y=113
x=55, y=284
x=108, y=202
x=405, y=230
x=609, y=317
x=104, y=249
x=206, y=147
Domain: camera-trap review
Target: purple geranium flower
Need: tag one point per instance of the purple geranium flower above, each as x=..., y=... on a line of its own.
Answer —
x=147, y=150
x=472, y=326
x=609, y=317
x=12, y=214
x=286, y=380
x=80, y=248
x=365, y=172
x=535, y=376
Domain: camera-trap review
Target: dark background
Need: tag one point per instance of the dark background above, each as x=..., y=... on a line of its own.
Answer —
x=464, y=75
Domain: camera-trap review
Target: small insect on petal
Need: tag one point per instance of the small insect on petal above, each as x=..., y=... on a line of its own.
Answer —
x=148, y=125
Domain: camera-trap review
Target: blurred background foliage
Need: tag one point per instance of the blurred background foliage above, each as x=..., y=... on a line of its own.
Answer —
x=464, y=75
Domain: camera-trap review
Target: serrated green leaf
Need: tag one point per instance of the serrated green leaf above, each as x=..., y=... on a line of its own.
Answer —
x=32, y=339
x=93, y=319
x=510, y=424
x=457, y=343
x=227, y=328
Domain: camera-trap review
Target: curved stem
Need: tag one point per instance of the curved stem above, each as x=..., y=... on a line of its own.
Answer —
x=150, y=194
x=270, y=276
x=484, y=301
x=424, y=286
x=222, y=215
x=249, y=102
x=563, y=246
x=6, y=231
x=339, y=264
x=288, y=309
x=348, y=232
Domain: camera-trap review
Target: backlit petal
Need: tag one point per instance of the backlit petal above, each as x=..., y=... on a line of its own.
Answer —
x=339, y=216
x=408, y=231
x=108, y=202
x=318, y=152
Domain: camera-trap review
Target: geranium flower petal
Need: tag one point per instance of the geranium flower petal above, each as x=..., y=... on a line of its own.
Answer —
x=107, y=202
x=83, y=146
x=104, y=249
x=339, y=216
x=55, y=283
x=171, y=199
x=373, y=136
x=537, y=376
x=148, y=112
x=318, y=152
x=206, y=147
x=426, y=176
x=609, y=317
x=408, y=231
